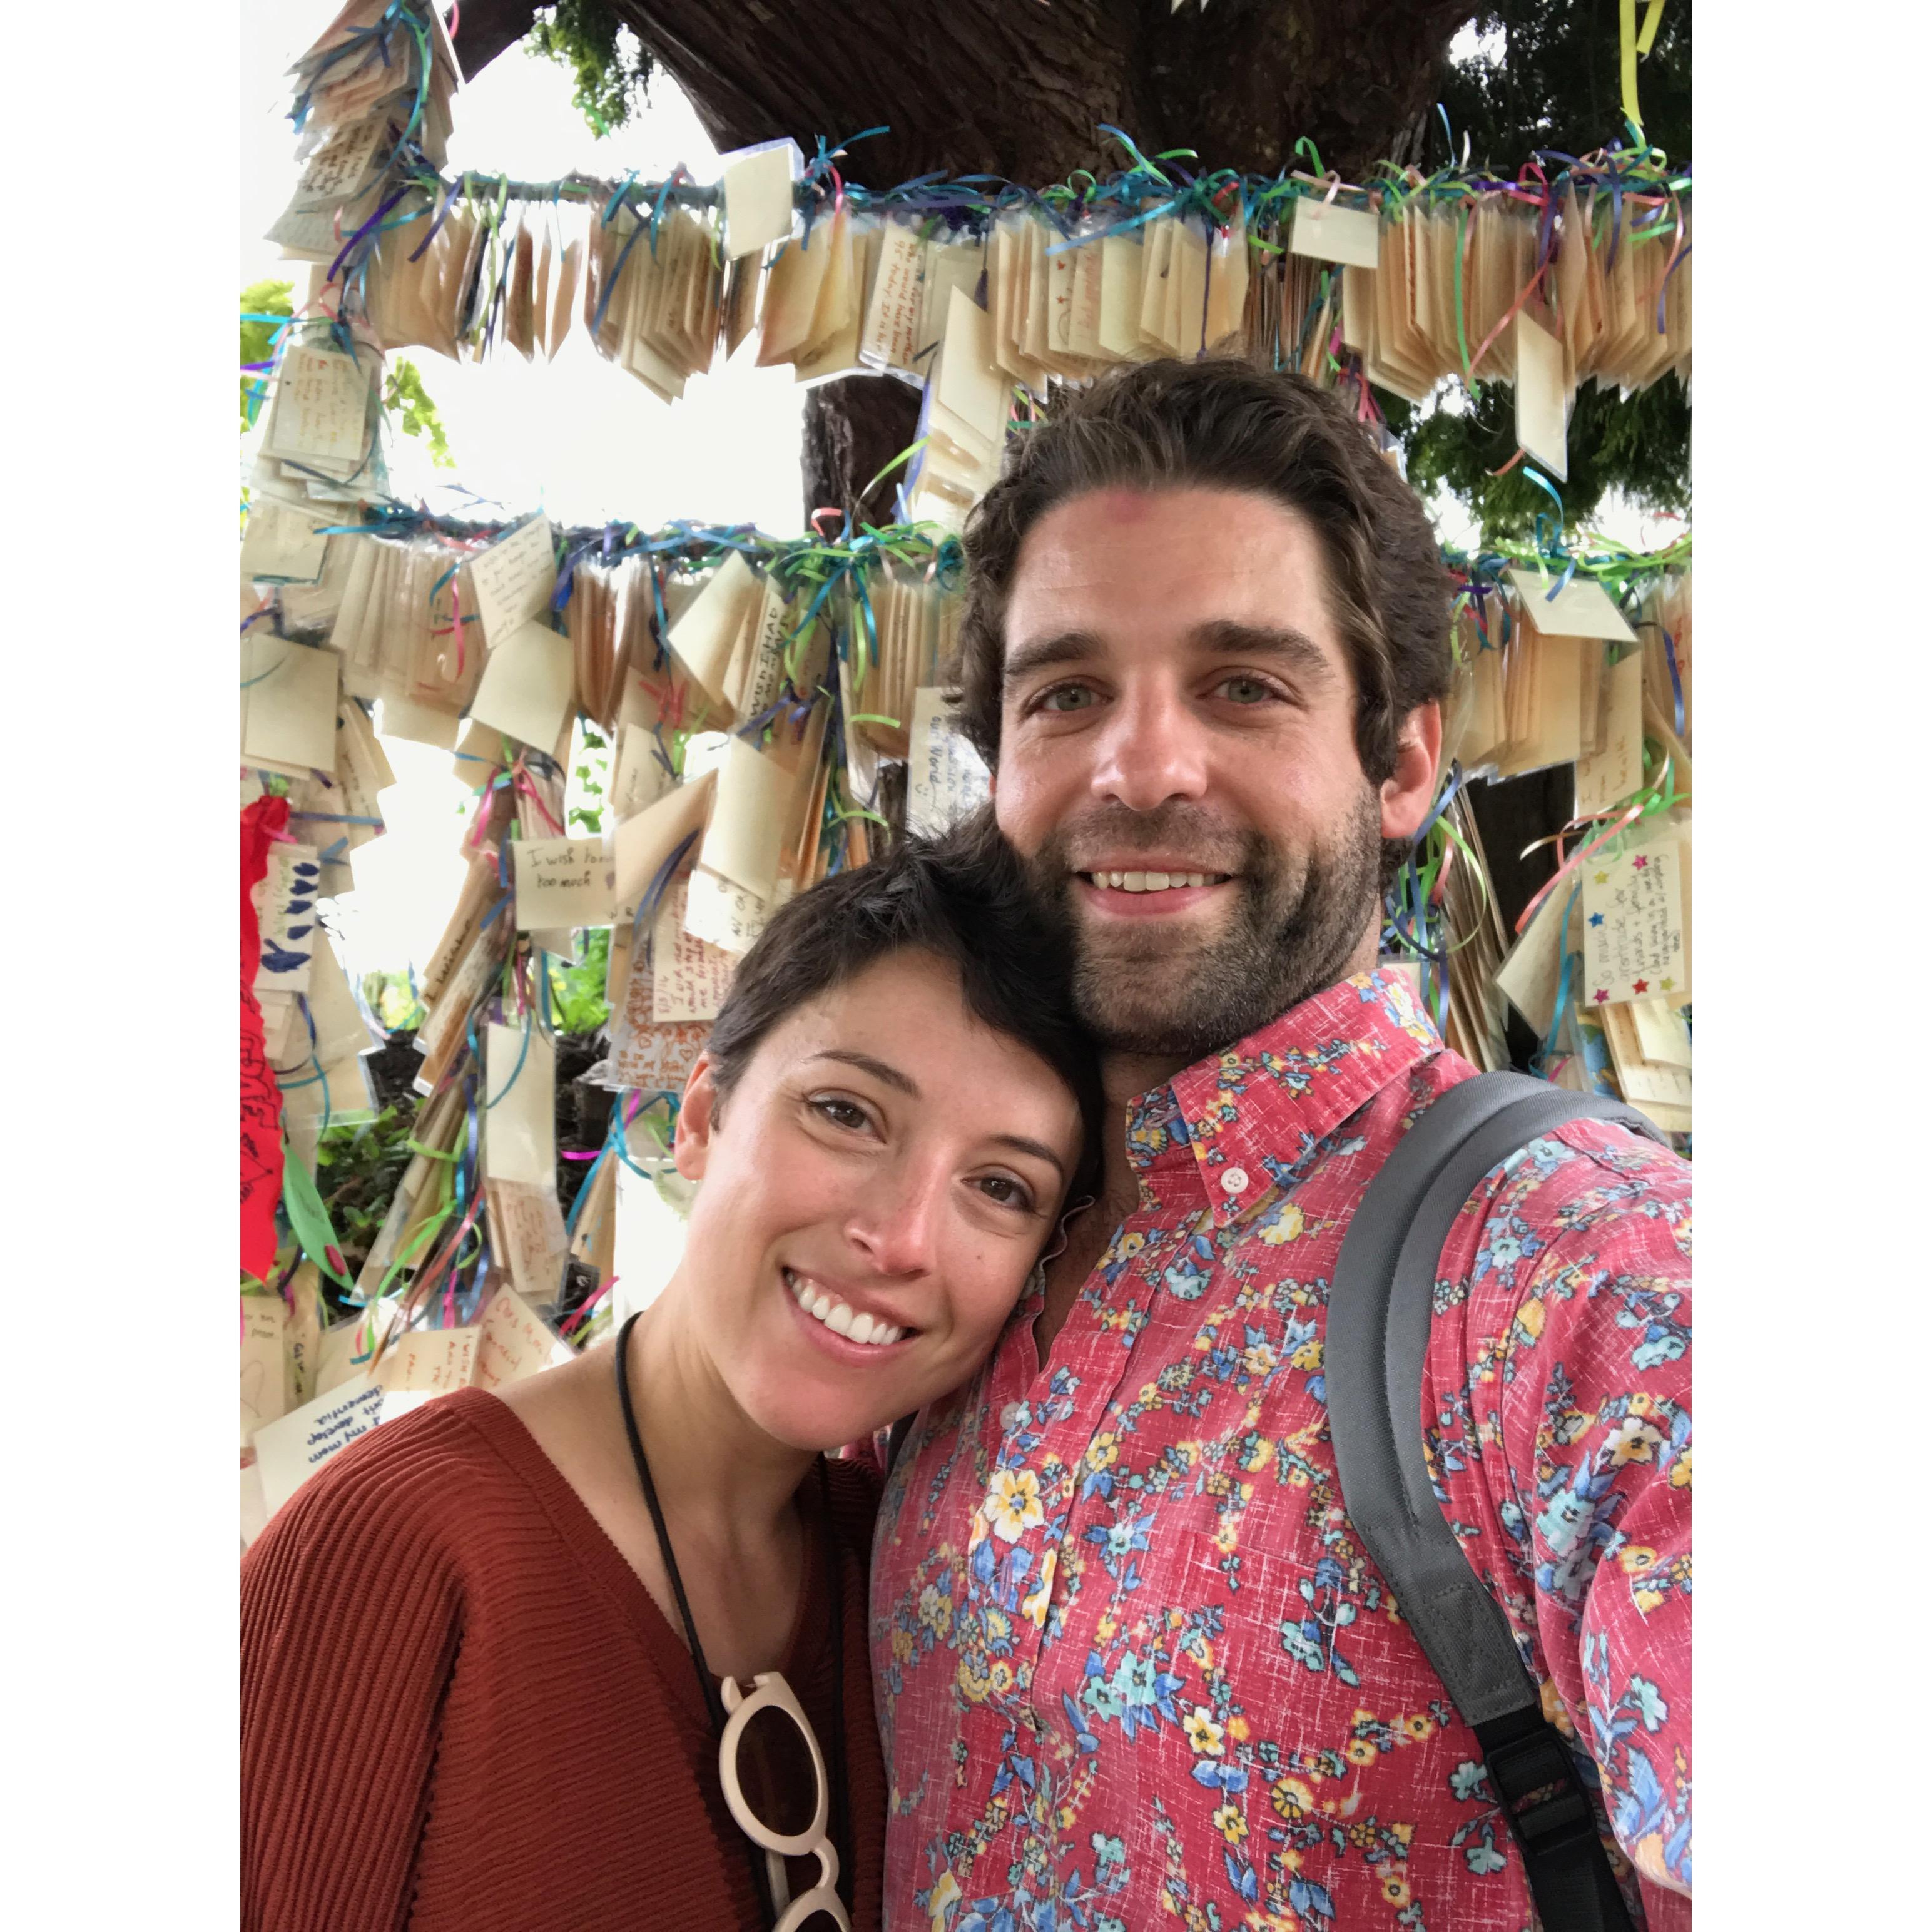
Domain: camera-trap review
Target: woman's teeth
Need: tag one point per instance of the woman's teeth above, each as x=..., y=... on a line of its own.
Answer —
x=839, y=1318
x=1153, y=882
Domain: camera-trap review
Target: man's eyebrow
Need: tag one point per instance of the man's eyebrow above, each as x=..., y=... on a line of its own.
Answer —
x=1063, y=647
x=1294, y=648
x=865, y=1063
x=1039, y=1150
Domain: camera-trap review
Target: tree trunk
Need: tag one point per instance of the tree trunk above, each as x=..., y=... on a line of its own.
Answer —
x=1017, y=89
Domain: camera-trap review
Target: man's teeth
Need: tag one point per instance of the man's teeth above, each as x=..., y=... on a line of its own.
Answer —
x=839, y=1318
x=1152, y=882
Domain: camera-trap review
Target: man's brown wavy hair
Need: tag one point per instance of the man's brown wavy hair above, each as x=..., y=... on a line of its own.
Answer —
x=1222, y=424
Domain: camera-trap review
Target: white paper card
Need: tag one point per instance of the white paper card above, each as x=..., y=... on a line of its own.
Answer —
x=514, y=578
x=1581, y=609
x=1330, y=233
x=562, y=882
x=945, y=778
x=520, y=1118
x=528, y=687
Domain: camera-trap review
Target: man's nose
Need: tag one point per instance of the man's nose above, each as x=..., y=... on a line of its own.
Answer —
x=1150, y=751
x=896, y=1224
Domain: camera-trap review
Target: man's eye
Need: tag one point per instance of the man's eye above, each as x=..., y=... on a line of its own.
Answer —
x=1067, y=698
x=1243, y=690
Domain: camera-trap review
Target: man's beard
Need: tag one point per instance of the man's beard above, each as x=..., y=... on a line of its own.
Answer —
x=1154, y=987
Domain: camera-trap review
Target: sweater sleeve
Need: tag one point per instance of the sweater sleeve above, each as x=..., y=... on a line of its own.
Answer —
x=352, y=1609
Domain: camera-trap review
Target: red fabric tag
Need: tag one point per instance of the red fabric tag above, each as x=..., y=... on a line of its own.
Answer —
x=261, y=1098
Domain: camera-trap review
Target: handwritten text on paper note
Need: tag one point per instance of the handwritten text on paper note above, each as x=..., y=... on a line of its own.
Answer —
x=513, y=579
x=947, y=777
x=689, y=977
x=562, y=882
x=1633, y=925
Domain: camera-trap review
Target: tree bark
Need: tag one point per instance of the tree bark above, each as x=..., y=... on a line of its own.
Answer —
x=1017, y=88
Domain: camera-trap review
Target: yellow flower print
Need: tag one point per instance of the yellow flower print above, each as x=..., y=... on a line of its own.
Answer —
x=1227, y=1535
x=1291, y=1799
x=1259, y=1359
x=1129, y=1246
x=1419, y=1726
x=944, y=1896
x=1104, y=1451
x=1308, y=1356
x=1108, y=1627
x=973, y=1686
x=1033, y=1607
x=1237, y=1729
x=935, y=1612
x=1680, y=1472
x=1529, y=1319
x=1360, y=1751
x=999, y=1625
x=1285, y=1225
x=1634, y=1441
x=1395, y=1888
x=1229, y=1823
x=902, y=1646
x=1203, y=1733
x=1000, y=1679
x=1635, y=1558
x=1012, y=1505
x=1259, y=1456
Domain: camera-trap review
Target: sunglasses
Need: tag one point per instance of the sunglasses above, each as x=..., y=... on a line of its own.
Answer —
x=763, y=1756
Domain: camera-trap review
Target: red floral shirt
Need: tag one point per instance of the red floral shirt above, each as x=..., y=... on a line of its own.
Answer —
x=1132, y=1662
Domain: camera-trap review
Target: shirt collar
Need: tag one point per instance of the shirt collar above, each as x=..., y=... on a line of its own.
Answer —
x=1251, y=1116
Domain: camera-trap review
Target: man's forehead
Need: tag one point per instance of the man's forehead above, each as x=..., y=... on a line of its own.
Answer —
x=1168, y=557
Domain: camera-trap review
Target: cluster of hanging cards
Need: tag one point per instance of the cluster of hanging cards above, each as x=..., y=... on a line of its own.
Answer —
x=378, y=82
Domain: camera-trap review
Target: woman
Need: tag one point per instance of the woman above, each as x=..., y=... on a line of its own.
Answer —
x=483, y=1649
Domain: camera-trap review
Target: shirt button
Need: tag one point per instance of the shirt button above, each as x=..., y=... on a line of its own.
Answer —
x=1234, y=1180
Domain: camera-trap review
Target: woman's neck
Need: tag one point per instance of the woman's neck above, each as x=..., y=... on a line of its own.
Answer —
x=725, y=1485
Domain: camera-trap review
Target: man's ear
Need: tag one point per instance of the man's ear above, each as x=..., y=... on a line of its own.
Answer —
x=697, y=1116
x=1408, y=792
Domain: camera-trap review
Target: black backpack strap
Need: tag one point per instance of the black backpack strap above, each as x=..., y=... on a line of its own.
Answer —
x=1380, y=1306
x=895, y=1440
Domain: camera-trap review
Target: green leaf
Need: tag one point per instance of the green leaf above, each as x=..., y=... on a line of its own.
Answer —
x=611, y=70
x=258, y=340
x=404, y=397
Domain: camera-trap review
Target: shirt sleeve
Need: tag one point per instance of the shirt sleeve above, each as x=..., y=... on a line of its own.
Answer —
x=1557, y=1416
x=351, y=1610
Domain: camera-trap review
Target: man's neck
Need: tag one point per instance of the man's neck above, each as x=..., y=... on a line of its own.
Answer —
x=1124, y=1078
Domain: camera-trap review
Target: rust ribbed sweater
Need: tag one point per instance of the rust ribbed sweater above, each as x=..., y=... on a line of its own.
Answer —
x=461, y=1711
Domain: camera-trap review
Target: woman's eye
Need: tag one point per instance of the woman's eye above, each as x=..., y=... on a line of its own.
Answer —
x=1007, y=1191
x=1067, y=698
x=840, y=1113
x=1243, y=690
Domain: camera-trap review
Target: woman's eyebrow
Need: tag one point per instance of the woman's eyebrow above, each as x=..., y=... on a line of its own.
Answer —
x=1038, y=1149
x=865, y=1063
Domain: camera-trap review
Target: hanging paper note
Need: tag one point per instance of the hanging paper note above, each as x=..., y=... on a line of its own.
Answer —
x=432, y=1361
x=641, y=847
x=1330, y=233
x=689, y=977
x=1581, y=608
x=528, y=685
x=288, y=1452
x=265, y=1391
x=284, y=542
x=261, y=1132
x=562, y=882
x=513, y=581
x=321, y=407
x=1542, y=401
x=945, y=778
x=519, y=1118
x=723, y=915
x=747, y=820
x=286, y=898
x=514, y=1342
x=1633, y=925
x=289, y=696
x=758, y=183
x=526, y=1230
x=1609, y=777
x=706, y=629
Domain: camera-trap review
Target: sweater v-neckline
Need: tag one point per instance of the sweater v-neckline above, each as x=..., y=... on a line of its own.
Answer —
x=589, y=1545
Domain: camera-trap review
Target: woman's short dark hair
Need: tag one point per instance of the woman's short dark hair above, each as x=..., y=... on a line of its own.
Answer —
x=963, y=899
x=1224, y=424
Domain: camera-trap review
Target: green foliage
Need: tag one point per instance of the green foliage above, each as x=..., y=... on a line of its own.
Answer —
x=391, y=999
x=1548, y=80
x=357, y=1171
x=577, y=992
x=590, y=775
x=258, y=340
x=1641, y=447
x=612, y=72
x=405, y=397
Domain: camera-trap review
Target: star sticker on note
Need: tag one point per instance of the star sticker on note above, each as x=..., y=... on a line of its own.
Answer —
x=1603, y=878
x=1599, y=995
x=1667, y=984
x=1596, y=919
x=1640, y=862
x=1639, y=985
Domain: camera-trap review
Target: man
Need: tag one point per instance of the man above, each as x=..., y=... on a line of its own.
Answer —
x=1132, y=1662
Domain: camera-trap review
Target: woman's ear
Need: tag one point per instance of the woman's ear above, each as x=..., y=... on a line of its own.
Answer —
x=697, y=1115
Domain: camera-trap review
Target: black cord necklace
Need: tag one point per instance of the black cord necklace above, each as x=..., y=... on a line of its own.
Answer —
x=713, y=1703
